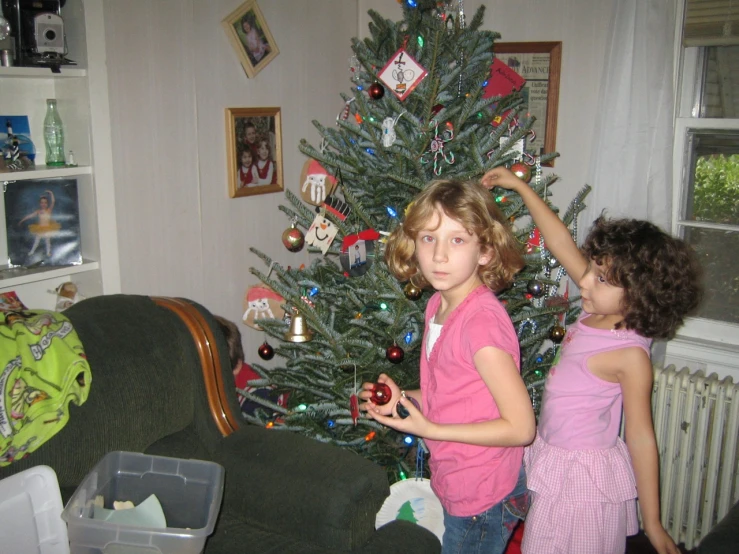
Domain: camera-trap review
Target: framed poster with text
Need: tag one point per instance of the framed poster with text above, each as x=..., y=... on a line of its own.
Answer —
x=539, y=63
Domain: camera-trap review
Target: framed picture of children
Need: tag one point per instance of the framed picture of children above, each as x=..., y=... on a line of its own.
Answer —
x=250, y=37
x=254, y=151
x=42, y=223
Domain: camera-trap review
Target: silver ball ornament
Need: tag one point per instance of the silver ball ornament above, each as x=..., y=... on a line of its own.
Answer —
x=535, y=288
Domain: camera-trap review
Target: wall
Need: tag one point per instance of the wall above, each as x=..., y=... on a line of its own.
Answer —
x=172, y=73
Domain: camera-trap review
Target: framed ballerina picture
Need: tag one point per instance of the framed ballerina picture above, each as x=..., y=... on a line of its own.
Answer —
x=254, y=151
x=42, y=223
x=250, y=37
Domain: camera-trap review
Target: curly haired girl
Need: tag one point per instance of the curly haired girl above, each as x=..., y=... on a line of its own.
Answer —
x=472, y=408
x=637, y=283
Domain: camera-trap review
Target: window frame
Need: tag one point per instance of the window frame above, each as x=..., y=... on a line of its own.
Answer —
x=713, y=339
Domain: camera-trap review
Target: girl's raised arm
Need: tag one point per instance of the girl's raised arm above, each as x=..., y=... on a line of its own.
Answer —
x=556, y=234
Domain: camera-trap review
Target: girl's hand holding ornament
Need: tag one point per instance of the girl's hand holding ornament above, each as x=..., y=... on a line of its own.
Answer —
x=406, y=417
x=373, y=393
x=501, y=177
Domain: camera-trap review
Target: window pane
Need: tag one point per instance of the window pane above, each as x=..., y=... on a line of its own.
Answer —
x=717, y=251
x=713, y=195
x=720, y=97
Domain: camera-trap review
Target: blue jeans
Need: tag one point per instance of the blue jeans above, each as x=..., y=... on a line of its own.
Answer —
x=488, y=532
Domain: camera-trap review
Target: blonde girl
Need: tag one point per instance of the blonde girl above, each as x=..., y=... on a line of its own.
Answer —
x=473, y=408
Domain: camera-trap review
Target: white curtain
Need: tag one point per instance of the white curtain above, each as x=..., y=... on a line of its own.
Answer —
x=631, y=167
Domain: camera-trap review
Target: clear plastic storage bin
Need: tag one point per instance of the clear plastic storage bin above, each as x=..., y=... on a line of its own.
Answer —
x=189, y=491
x=30, y=513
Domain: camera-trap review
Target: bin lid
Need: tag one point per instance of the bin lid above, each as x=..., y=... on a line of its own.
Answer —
x=31, y=513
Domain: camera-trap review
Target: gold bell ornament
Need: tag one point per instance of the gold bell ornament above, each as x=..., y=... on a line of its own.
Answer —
x=298, y=331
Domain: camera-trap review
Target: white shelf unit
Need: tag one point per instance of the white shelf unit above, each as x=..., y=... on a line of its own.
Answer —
x=81, y=92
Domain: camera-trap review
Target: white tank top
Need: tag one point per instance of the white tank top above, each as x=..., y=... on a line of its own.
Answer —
x=432, y=335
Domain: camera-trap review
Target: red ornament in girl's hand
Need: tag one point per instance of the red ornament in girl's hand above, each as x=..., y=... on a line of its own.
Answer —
x=381, y=394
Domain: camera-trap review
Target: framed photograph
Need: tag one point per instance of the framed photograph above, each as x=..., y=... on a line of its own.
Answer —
x=42, y=223
x=250, y=37
x=254, y=151
x=539, y=63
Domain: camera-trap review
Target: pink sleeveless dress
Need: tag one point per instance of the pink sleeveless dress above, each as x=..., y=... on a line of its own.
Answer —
x=578, y=469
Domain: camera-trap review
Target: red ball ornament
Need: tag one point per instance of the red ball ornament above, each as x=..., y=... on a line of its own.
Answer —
x=266, y=352
x=376, y=91
x=381, y=394
x=293, y=239
x=395, y=354
x=522, y=171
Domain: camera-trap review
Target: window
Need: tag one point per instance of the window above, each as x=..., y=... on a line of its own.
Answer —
x=706, y=158
x=709, y=215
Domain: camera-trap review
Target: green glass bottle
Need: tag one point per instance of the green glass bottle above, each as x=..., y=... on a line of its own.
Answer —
x=53, y=135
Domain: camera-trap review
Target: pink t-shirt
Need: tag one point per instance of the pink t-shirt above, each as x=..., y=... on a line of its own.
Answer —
x=468, y=479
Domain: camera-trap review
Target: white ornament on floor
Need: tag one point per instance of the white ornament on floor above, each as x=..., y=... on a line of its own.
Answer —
x=413, y=500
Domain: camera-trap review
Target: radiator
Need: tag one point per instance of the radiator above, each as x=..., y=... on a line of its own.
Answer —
x=696, y=421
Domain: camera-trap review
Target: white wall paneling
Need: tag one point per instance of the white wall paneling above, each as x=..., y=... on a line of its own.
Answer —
x=172, y=74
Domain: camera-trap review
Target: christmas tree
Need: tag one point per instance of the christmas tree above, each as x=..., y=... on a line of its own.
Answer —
x=418, y=112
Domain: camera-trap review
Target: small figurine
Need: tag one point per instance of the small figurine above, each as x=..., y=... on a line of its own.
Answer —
x=16, y=160
x=66, y=295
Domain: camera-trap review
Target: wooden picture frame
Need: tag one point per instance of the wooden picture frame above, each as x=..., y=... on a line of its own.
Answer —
x=254, y=151
x=250, y=37
x=540, y=64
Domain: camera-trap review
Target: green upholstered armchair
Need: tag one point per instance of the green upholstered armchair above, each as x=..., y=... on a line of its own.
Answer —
x=162, y=384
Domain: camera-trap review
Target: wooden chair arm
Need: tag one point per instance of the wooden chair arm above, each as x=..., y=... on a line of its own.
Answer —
x=210, y=362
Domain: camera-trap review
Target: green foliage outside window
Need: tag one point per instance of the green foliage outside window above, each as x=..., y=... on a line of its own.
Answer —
x=716, y=196
x=716, y=200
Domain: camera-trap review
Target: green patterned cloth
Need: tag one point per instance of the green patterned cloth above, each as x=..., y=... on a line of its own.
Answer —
x=42, y=369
